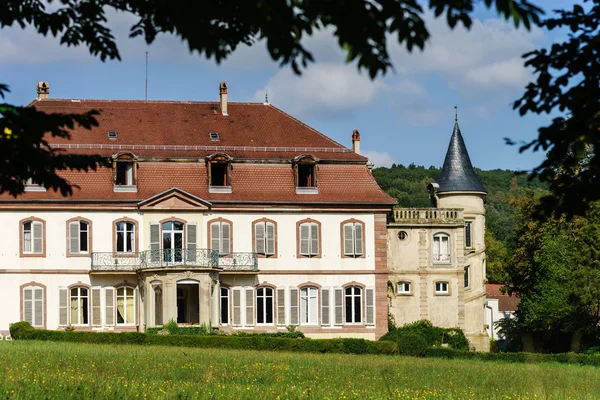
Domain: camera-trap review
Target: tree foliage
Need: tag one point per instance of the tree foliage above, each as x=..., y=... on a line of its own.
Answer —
x=214, y=29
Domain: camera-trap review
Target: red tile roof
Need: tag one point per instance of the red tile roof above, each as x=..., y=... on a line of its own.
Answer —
x=505, y=302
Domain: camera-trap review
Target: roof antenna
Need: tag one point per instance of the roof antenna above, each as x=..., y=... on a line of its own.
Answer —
x=455, y=113
x=146, y=77
x=266, y=96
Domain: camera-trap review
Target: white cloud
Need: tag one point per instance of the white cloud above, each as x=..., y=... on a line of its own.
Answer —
x=379, y=158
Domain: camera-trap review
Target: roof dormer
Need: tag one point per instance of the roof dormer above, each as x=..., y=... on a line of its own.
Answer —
x=124, y=172
x=306, y=171
x=218, y=167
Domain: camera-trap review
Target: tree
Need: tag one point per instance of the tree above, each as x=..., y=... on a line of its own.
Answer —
x=213, y=29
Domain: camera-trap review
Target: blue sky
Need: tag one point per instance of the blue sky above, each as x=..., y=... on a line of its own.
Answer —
x=406, y=116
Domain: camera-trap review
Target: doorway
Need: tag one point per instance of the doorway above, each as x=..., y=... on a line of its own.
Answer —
x=188, y=302
x=172, y=232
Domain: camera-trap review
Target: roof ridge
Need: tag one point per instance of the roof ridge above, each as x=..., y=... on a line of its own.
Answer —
x=57, y=99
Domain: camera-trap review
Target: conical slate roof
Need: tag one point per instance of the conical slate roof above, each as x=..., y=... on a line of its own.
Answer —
x=457, y=173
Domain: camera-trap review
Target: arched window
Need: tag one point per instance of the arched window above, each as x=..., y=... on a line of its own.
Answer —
x=125, y=305
x=32, y=232
x=309, y=238
x=309, y=305
x=353, y=304
x=264, y=305
x=79, y=241
x=265, y=237
x=220, y=236
x=125, y=236
x=79, y=305
x=33, y=304
x=441, y=248
x=353, y=239
x=124, y=172
x=219, y=173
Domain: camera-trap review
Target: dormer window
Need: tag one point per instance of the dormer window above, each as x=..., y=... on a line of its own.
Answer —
x=219, y=173
x=124, y=172
x=306, y=174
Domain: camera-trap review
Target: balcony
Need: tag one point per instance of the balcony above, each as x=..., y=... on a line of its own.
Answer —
x=427, y=215
x=167, y=258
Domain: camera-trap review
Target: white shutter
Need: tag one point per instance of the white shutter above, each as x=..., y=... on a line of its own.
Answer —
x=339, y=305
x=314, y=239
x=28, y=305
x=281, y=306
x=215, y=236
x=270, y=238
x=348, y=240
x=63, y=307
x=236, y=299
x=259, y=238
x=304, y=239
x=226, y=231
x=109, y=306
x=38, y=308
x=155, y=255
x=74, y=237
x=436, y=248
x=370, y=294
x=249, y=306
x=38, y=237
x=313, y=305
x=325, y=306
x=96, y=307
x=358, y=240
x=192, y=242
x=294, y=317
x=444, y=248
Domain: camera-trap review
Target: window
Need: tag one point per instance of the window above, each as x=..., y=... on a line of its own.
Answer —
x=441, y=247
x=353, y=239
x=264, y=238
x=124, y=175
x=220, y=237
x=306, y=175
x=404, y=288
x=224, y=306
x=125, y=305
x=309, y=306
x=124, y=172
x=79, y=309
x=467, y=277
x=125, y=242
x=218, y=174
x=33, y=306
x=441, y=288
x=264, y=305
x=353, y=299
x=402, y=235
x=309, y=239
x=32, y=238
x=468, y=240
x=79, y=236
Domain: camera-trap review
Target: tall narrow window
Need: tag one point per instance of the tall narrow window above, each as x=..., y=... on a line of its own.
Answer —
x=125, y=305
x=125, y=237
x=124, y=175
x=309, y=306
x=79, y=237
x=218, y=174
x=33, y=305
x=353, y=299
x=264, y=238
x=32, y=238
x=441, y=247
x=220, y=237
x=306, y=175
x=224, y=297
x=264, y=305
x=219, y=167
x=309, y=239
x=124, y=172
x=79, y=300
x=468, y=240
x=353, y=239
x=467, y=278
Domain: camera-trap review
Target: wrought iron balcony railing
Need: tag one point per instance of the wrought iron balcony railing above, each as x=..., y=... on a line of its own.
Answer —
x=165, y=258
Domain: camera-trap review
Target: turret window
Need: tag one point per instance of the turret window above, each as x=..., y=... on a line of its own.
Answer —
x=441, y=248
x=468, y=235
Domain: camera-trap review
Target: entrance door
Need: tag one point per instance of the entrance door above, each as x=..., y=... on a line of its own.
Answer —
x=172, y=242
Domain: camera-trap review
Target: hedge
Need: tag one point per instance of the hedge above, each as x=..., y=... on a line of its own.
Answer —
x=346, y=346
x=434, y=335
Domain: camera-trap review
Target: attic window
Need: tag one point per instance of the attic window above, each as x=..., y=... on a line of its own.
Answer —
x=125, y=172
x=219, y=173
x=214, y=136
x=306, y=174
x=112, y=135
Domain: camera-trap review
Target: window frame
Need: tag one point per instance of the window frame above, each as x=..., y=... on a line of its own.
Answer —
x=353, y=296
x=308, y=287
x=32, y=286
x=312, y=222
x=79, y=286
x=354, y=223
x=220, y=159
x=209, y=235
x=275, y=246
x=228, y=308
x=89, y=251
x=306, y=161
x=469, y=234
x=408, y=292
x=135, y=305
x=441, y=292
x=467, y=277
x=32, y=220
x=264, y=297
x=118, y=160
x=135, y=238
x=441, y=235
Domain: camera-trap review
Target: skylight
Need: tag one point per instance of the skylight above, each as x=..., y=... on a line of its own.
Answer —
x=112, y=135
x=214, y=136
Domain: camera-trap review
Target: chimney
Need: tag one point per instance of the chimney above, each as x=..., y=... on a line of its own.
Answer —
x=223, y=97
x=356, y=141
x=43, y=90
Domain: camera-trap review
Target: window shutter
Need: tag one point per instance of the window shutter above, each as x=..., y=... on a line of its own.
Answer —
x=294, y=317
x=226, y=230
x=314, y=239
x=192, y=242
x=348, y=240
x=339, y=305
x=281, y=306
x=74, y=237
x=260, y=238
x=270, y=238
x=63, y=307
x=38, y=238
x=38, y=308
x=236, y=299
x=155, y=255
x=313, y=304
x=370, y=317
x=109, y=306
x=304, y=239
x=325, y=306
x=28, y=305
x=358, y=240
x=215, y=234
x=249, y=306
x=96, y=307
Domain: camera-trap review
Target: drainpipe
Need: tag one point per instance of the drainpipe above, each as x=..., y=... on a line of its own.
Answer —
x=491, y=318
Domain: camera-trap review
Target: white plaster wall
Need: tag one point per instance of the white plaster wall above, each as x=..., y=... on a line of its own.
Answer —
x=497, y=316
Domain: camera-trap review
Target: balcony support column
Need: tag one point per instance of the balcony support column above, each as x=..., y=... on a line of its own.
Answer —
x=205, y=301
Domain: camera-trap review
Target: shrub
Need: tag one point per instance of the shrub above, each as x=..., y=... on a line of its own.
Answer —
x=287, y=334
x=436, y=336
x=20, y=330
x=173, y=328
x=409, y=343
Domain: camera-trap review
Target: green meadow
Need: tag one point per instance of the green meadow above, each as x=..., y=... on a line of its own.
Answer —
x=55, y=370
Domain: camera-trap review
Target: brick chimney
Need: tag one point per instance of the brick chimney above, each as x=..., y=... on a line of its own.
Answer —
x=223, y=97
x=43, y=90
x=356, y=141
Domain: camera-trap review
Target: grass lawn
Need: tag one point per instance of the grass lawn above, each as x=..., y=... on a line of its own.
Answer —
x=44, y=370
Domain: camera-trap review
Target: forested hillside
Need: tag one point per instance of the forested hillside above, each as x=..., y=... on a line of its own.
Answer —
x=409, y=186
